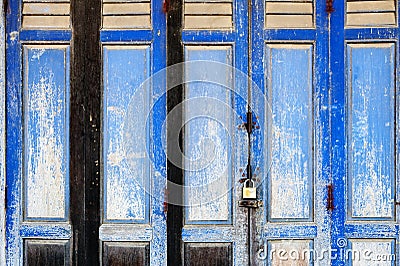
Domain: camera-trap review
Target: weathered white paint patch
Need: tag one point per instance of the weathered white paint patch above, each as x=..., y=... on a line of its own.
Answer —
x=2, y=138
x=288, y=188
x=208, y=188
x=126, y=170
x=45, y=135
x=125, y=232
x=375, y=252
x=289, y=252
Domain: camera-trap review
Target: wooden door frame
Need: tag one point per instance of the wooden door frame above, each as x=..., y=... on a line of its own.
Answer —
x=2, y=137
x=175, y=217
x=85, y=131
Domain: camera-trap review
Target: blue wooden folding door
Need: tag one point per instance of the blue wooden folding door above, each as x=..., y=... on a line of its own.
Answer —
x=134, y=126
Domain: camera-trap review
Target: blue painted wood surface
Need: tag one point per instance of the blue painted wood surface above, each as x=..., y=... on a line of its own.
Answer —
x=371, y=143
x=230, y=47
x=126, y=168
x=290, y=88
x=208, y=142
x=134, y=118
x=339, y=120
x=293, y=75
x=364, y=63
x=37, y=136
x=46, y=145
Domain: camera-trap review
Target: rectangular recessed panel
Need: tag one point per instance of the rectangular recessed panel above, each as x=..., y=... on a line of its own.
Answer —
x=219, y=254
x=46, y=116
x=126, y=14
x=208, y=15
x=46, y=15
x=290, y=88
x=371, y=13
x=290, y=252
x=289, y=14
x=46, y=252
x=126, y=165
x=207, y=144
x=371, y=252
x=371, y=123
x=126, y=253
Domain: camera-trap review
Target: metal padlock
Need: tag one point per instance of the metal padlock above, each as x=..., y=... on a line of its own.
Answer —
x=249, y=192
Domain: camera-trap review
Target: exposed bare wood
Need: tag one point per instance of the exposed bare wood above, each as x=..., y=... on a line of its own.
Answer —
x=289, y=21
x=208, y=22
x=46, y=22
x=126, y=9
x=126, y=22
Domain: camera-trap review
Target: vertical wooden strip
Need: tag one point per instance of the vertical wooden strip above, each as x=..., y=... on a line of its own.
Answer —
x=85, y=131
x=290, y=86
x=174, y=97
x=371, y=92
x=2, y=139
x=13, y=134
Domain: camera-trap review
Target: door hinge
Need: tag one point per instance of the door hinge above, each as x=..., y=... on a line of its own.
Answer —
x=329, y=6
x=165, y=203
x=329, y=201
x=166, y=6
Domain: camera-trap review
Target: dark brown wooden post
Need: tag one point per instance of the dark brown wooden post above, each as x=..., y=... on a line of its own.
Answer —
x=85, y=131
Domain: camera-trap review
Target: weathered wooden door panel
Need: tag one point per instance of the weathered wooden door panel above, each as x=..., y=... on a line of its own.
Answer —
x=133, y=224
x=289, y=66
x=46, y=104
x=38, y=227
x=38, y=201
x=365, y=133
x=215, y=95
x=323, y=149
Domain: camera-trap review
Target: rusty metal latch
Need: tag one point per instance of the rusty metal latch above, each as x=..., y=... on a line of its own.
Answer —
x=250, y=203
